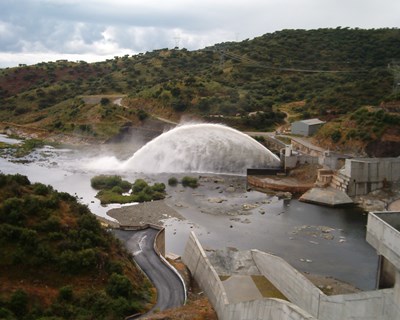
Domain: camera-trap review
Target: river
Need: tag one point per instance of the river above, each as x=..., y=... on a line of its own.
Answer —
x=315, y=239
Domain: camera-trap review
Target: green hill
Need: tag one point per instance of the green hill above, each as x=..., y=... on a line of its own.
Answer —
x=328, y=72
x=57, y=262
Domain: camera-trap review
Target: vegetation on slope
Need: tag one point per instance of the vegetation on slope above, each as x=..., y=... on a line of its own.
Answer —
x=57, y=262
x=330, y=71
x=364, y=126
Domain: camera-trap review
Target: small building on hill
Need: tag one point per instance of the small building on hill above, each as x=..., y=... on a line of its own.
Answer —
x=306, y=127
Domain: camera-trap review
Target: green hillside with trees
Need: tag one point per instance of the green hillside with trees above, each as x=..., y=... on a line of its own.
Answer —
x=58, y=262
x=328, y=73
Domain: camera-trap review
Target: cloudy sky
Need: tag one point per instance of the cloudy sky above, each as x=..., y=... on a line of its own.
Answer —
x=33, y=31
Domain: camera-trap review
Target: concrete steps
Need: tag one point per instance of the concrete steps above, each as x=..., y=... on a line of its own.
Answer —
x=340, y=182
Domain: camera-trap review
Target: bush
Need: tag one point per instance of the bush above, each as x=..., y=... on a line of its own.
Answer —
x=104, y=101
x=139, y=185
x=41, y=189
x=117, y=189
x=158, y=187
x=65, y=293
x=336, y=136
x=19, y=302
x=104, y=182
x=141, y=191
x=172, y=181
x=12, y=211
x=142, y=115
x=190, y=182
x=119, y=286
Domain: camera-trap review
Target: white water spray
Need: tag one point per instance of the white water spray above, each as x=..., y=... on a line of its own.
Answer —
x=196, y=148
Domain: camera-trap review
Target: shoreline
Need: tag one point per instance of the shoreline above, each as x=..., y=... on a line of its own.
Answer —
x=154, y=212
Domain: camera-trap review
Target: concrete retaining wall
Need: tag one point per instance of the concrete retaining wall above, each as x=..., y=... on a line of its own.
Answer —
x=383, y=236
x=196, y=260
x=367, y=175
x=296, y=287
x=299, y=145
x=369, y=305
x=294, y=160
x=265, y=309
x=160, y=242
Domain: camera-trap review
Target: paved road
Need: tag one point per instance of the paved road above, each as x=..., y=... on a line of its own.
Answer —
x=170, y=290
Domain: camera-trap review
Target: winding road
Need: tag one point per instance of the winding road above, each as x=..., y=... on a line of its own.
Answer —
x=170, y=289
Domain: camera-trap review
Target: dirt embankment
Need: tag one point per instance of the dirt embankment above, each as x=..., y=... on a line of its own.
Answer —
x=296, y=181
x=387, y=146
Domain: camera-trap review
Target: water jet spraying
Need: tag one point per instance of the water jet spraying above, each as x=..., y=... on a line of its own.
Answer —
x=201, y=148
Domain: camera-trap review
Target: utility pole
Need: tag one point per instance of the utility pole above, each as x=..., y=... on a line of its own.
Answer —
x=177, y=39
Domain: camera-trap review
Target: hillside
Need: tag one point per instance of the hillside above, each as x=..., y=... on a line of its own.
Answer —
x=327, y=72
x=58, y=263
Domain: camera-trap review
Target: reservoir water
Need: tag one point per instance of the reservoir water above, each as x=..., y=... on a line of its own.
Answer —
x=312, y=238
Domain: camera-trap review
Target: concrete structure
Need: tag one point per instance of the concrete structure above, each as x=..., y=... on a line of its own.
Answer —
x=291, y=159
x=369, y=174
x=383, y=234
x=299, y=290
x=324, y=157
x=306, y=300
x=306, y=127
x=207, y=278
x=326, y=196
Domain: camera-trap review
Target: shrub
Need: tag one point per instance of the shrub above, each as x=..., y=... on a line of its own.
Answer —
x=336, y=136
x=104, y=101
x=12, y=211
x=108, y=182
x=119, y=286
x=19, y=302
x=117, y=189
x=158, y=187
x=142, y=115
x=65, y=293
x=172, y=181
x=41, y=189
x=190, y=182
x=139, y=185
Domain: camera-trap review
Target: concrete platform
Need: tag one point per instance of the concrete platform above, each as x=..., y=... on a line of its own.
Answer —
x=326, y=196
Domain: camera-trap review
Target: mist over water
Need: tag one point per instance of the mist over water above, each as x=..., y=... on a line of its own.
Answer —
x=195, y=148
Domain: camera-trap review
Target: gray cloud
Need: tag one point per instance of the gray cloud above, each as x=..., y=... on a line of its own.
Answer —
x=102, y=28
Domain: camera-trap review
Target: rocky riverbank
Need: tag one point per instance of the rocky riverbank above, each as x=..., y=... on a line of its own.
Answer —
x=144, y=213
x=380, y=200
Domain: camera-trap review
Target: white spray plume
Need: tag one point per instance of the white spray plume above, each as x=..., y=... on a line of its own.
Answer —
x=200, y=147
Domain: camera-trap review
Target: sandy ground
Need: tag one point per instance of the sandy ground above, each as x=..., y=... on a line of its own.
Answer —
x=395, y=206
x=149, y=212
